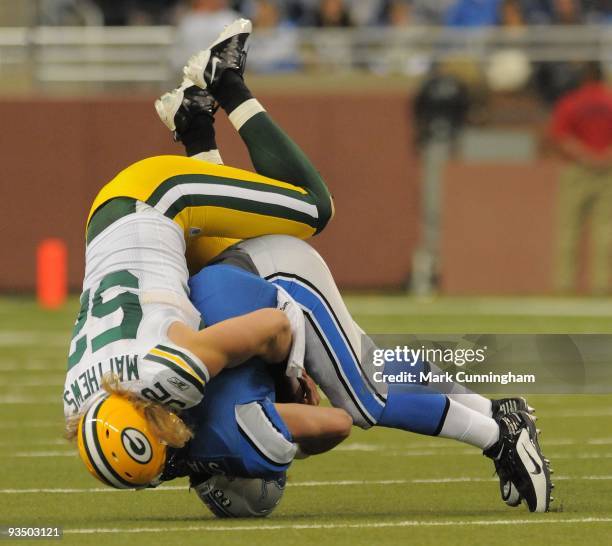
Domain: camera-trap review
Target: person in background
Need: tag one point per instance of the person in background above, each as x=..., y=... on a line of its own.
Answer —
x=393, y=57
x=511, y=14
x=473, y=13
x=397, y=13
x=136, y=12
x=431, y=12
x=554, y=79
x=558, y=12
x=581, y=129
x=358, y=12
x=198, y=27
x=567, y=12
x=536, y=12
x=599, y=12
x=150, y=12
x=276, y=49
x=365, y=12
x=69, y=13
x=333, y=13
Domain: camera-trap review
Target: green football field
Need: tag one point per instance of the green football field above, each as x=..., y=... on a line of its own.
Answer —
x=379, y=488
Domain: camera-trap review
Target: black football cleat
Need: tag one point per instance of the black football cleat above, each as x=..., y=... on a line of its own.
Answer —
x=519, y=460
x=228, y=52
x=501, y=407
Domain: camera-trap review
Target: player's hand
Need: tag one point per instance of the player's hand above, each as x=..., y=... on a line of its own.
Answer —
x=309, y=388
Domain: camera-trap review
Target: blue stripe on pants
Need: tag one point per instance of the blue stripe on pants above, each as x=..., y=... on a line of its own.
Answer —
x=338, y=346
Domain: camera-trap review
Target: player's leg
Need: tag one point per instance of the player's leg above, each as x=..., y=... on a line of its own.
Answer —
x=336, y=345
x=601, y=238
x=570, y=219
x=286, y=195
x=189, y=112
x=297, y=259
x=274, y=154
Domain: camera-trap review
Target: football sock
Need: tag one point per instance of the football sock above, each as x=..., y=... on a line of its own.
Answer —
x=199, y=137
x=474, y=401
x=273, y=153
x=211, y=156
x=466, y=425
x=231, y=91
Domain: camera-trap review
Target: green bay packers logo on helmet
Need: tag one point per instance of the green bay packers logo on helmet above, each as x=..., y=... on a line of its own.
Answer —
x=136, y=445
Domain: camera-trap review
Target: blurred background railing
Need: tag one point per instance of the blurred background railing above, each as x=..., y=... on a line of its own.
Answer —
x=147, y=54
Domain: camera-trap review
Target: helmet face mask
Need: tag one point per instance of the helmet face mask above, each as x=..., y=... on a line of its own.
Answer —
x=241, y=497
x=117, y=444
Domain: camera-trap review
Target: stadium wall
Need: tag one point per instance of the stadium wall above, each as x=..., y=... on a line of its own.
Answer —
x=497, y=218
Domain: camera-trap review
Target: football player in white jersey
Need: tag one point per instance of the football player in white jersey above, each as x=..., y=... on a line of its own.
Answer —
x=135, y=319
x=332, y=341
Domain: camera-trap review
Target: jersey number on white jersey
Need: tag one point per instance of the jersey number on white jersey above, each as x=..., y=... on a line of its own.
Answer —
x=128, y=302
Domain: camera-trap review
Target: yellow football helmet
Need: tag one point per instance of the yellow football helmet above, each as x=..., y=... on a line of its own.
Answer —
x=117, y=445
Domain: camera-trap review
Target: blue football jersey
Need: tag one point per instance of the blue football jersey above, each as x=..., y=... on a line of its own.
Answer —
x=237, y=430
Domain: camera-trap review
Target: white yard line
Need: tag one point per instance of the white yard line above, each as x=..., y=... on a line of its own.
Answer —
x=600, y=441
x=425, y=449
x=36, y=454
x=380, y=449
x=17, y=399
x=553, y=456
x=26, y=425
x=26, y=338
x=361, y=525
x=397, y=306
x=33, y=366
x=423, y=453
x=40, y=400
x=445, y=446
x=331, y=483
x=599, y=412
x=45, y=442
x=34, y=382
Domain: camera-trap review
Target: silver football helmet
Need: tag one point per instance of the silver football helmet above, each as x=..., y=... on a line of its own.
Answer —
x=241, y=497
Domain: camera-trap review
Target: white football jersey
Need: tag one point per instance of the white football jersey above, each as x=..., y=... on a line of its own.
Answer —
x=135, y=287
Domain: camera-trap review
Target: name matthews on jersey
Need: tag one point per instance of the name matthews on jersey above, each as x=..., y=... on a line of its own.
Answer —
x=90, y=381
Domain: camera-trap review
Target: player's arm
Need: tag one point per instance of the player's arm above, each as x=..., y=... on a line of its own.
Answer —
x=574, y=150
x=265, y=333
x=314, y=428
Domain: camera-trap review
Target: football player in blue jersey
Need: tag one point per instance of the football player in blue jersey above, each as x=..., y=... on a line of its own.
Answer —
x=239, y=430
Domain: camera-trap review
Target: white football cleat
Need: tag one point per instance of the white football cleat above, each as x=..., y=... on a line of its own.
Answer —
x=178, y=107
